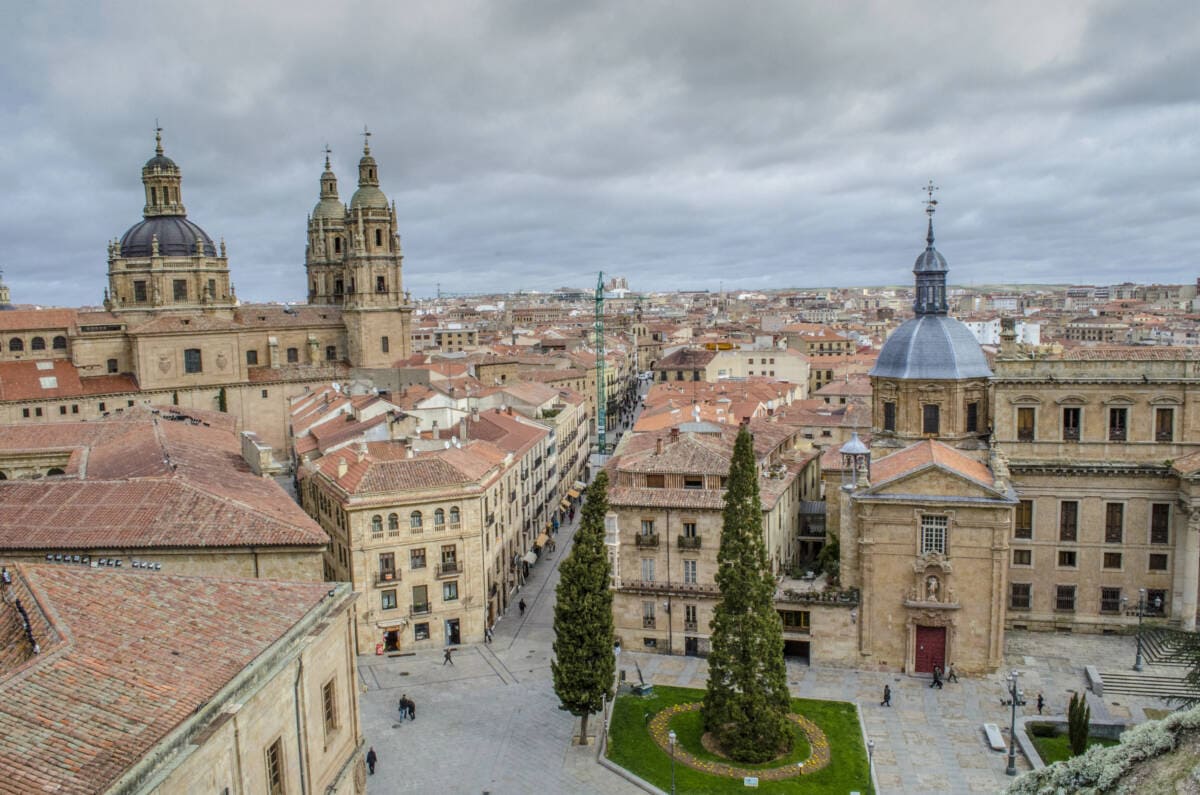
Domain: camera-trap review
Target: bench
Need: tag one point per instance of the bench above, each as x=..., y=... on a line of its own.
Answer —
x=995, y=738
x=1094, y=680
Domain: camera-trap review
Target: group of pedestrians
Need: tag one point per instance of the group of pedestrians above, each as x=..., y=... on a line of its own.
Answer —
x=950, y=674
x=407, y=708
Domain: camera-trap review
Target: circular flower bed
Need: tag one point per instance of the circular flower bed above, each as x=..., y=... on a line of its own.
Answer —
x=818, y=742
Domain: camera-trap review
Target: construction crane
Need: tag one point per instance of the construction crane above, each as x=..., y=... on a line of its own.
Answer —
x=601, y=406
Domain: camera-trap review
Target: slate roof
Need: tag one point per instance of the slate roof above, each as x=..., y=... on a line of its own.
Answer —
x=931, y=348
x=126, y=657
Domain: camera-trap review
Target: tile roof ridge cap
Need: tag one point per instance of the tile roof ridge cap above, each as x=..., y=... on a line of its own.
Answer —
x=65, y=637
x=194, y=486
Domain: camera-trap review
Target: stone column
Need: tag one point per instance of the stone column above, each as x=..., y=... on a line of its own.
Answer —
x=1191, y=569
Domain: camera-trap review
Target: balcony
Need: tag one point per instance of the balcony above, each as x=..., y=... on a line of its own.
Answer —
x=646, y=540
x=451, y=568
x=423, y=609
x=690, y=626
x=1070, y=434
x=1116, y=434
x=386, y=577
x=648, y=622
x=689, y=542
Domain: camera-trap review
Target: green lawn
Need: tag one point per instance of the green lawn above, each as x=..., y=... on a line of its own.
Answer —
x=689, y=727
x=631, y=746
x=1057, y=749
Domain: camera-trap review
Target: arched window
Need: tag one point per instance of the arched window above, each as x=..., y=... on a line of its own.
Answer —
x=60, y=343
x=414, y=520
x=376, y=524
x=37, y=344
x=337, y=248
x=54, y=471
x=393, y=522
x=154, y=196
x=16, y=344
x=454, y=515
x=378, y=237
x=439, y=517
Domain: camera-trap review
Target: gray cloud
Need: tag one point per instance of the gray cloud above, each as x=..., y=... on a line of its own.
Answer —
x=684, y=144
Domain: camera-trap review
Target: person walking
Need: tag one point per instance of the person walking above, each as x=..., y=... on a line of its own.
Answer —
x=446, y=656
x=1041, y=703
x=521, y=605
x=887, y=696
x=487, y=634
x=952, y=676
x=371, y=760
x=937, y=677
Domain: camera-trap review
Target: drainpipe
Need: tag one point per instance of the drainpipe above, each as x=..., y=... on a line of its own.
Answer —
x=299, y=733
x=670, y=616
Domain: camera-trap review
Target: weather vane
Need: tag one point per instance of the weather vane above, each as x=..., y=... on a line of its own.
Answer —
x=366, y=139
x=327, y=153
x=931, y=202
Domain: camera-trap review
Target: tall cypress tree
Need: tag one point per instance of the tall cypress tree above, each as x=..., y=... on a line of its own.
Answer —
x=583, y=664
x=747, y=701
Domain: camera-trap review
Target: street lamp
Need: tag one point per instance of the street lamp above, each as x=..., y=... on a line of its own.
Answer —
x=1015, y=699
x=1137, y=665
x=870, y=757
x=671, y=740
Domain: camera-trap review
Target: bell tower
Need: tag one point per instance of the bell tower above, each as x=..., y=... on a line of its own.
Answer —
x=325, y=253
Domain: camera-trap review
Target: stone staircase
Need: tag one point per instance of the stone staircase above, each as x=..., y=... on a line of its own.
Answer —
x=1159, y=647
x=1164, y=672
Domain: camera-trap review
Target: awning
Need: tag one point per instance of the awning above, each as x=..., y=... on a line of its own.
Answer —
x=530, y=557
x=564, y=505
x=572, y=494
x=579, y=484
x=542, y=539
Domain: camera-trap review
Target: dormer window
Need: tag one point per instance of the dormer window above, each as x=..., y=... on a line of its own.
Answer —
x=693, y=482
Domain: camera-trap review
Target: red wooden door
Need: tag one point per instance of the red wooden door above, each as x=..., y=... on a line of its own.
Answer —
x=931, y=649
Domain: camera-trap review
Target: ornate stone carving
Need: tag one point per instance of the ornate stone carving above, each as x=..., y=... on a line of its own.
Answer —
x=164, y=363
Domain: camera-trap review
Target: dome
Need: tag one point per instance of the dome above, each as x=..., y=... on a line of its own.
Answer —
x=176, y=238
x=161, y=162
x=934, y=348
x=368, y=197
x=329, y=208
x=930, y=261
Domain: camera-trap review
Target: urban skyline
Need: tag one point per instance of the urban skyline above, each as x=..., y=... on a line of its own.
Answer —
x=525, y=145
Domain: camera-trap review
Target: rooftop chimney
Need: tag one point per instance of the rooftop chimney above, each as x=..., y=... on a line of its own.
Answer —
x=437, y=434
x=658, y=446
x=343, y=467
x=675, y=434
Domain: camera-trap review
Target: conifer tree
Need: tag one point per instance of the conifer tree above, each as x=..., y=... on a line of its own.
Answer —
x=746, y=704
x=1079, y=719
x=584, y=665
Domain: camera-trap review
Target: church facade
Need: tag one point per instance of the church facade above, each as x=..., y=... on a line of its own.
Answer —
x=173, y=331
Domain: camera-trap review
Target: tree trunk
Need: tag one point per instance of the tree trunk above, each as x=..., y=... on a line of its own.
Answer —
x=583, y=729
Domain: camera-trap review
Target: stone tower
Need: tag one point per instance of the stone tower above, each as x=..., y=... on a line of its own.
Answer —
x=165, y=261
x=354, y=260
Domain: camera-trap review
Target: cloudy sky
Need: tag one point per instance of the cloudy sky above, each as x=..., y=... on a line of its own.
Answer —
x=683, y=145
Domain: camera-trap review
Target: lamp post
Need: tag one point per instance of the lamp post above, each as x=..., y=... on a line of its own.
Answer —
x=870, y=758
x=671, y=740
x=1137, y=664
x=1015, y=700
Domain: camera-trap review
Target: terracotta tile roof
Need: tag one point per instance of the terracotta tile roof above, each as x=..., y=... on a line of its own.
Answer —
x=56, y=378
x=325, y=371
x=247, y=316
x=929, y=453
x=1129, y=352
x=139, y=653
x=386, y=467
x=37, y=320
x=712, y=499
x=142, y=481
x=685, y=358
x=691, y=453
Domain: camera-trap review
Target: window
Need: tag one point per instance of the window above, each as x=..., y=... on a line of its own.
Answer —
x=647, y=527
x=1158, y=562
x=416, y=558
x=275, y=783
x=1114, y=522
x=1025, y=416
x=1117, y=419
x=60, y=343
x=420, y=599
x=1068, y=520
x=100, y=407
x=337, y=249
x=139, y=292
x=62, y=409
x=647, y=615
x=192, y=362
x=439, y=518
x=933, y=534
x=449, y=555
x=1064, y=598
x=330, y=353
x=387, y=565
x=1022, y=557
x=212, y=288
x=380, y=282
x=647, y=569
x=251, y=358
x=1020, y=595
x=795, y=620
x=693, y=482
x=1164, y=425
x=16, y=344
x=689, y=572
x=1160, y=523
x=1023, y=519
x=1071, y=423
x=179, y=289
x=455, y=516
x=25, y=413
x=930, y=415
x=1110, y=600
x=329, y=706
x=689, y=529
x=37, y=344
x=37, y=412
x=377, y=525
x=421, y=631
x=293, y=355
x=1112, y=560
x=689, y=617
x=74, y=408
x=393, y=522
x=973, y=417
x=1066, y=558
x=383, y=344
x=414, y=520
x=387, y=599
x=656, y=481
x=450, y=591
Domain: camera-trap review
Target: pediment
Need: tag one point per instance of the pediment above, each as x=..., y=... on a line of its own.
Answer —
x=934, y=480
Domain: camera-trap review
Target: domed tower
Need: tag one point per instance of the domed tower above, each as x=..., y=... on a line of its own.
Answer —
x=325, y=254
x=165, y=261
x=931, y=377
x=375, y=308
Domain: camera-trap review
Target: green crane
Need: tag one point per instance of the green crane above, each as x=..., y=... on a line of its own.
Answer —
x=601, y=406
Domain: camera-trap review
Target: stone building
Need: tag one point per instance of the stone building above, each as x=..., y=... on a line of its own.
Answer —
x=136, y=681
x=173, y=331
